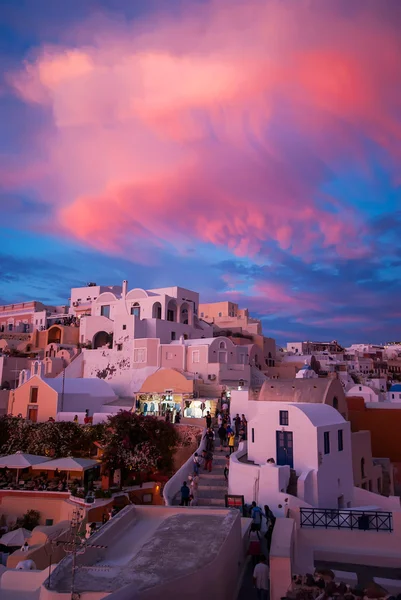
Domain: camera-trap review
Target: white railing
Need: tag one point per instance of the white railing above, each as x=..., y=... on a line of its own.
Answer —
x=173, y=486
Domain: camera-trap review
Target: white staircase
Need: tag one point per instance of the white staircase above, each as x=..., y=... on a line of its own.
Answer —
x=212, y=487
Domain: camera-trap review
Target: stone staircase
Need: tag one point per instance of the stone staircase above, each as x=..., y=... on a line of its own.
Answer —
x=212, y=487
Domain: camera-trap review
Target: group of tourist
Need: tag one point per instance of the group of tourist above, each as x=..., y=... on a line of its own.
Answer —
x=228, y=433
x=322, y=586
x=189, y=493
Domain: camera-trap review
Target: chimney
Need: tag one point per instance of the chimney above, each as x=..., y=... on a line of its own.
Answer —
x=125, y=287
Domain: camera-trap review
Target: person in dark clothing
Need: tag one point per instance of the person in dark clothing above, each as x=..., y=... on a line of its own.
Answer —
x=227, y=466
x=208, y=420
x=209, y=437
x=185, y=493
x=237, y=424
x=222, y=433
x=208, y=461
x=270, y=521
x=177, y=418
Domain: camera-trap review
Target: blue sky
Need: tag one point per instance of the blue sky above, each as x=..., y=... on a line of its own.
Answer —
x=247, y=150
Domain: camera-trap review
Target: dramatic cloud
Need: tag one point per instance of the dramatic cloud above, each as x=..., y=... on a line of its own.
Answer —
x=248, y=126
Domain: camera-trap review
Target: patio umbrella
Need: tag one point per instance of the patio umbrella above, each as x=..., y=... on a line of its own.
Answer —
x=17, y=537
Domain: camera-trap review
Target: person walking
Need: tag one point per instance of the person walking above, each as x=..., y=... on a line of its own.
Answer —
x=237, y=423
x=208, y=420
x=219, y=420
x=209, y=436
x=227, y=466
x=261, y=578
x=196, y=463
x=231, y=442
x=256, y=514
x=208, y=461
x=222, y=433
x=185, y=493
x=193, y=485
x=270, y=521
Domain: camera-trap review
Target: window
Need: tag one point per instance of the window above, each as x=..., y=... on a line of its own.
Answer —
x=195, y=356
x=119, y=347
x=170, y=315
x=124, y=327
x=202, y=314
x=283, y=417
x=220, y=315
x=392, y=396
x=169, y=355
x=34, y=395
x=379, y=486
x=136, y=310
x=10, y=327
x=105, y=311
x=335, y=403
x=222, y=345
x=253, y=435
x=363, y=475
x=139, y=355
x=340, y=440
x=327, y=442
x=173, y=336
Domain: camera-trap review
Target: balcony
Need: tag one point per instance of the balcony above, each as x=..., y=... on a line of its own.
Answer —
x=362, y=520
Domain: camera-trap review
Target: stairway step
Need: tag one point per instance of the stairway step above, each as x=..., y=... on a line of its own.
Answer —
x=212, y=493
x=212, y=475
x=214, y=483
x=211, y=502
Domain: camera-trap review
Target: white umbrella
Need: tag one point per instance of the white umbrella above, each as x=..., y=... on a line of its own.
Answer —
x=16, y=537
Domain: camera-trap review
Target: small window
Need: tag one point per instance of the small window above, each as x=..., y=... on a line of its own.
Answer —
x=335, y=403
x=169, y=355
x=220, y=315
x=119, y=347
x=173, y=336
x=105, y=311
x=284, y=417
x=392, y=396
x=253, y=435
x=136, y=310
x=124, y=327
x=195, y=356
x=10, y=327
x=202, y=314
x=34, y=395
x=327, y=442
x=340, y=440
x=363, y=475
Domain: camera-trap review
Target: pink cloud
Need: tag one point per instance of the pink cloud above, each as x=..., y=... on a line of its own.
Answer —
x=162, y=134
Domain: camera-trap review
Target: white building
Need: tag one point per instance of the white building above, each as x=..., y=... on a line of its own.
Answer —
x=310, y=445
x=365, y=392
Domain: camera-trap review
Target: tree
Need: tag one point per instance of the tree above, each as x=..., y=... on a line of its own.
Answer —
x=134, y=443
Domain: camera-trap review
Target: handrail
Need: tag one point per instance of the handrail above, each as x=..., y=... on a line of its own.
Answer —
x=174, y=484
x=331, y=518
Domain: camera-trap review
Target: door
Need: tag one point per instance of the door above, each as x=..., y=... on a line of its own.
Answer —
x=33, y=414
x=285, y=449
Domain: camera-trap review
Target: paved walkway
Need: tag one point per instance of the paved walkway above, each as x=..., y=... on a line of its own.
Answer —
x=213, y=487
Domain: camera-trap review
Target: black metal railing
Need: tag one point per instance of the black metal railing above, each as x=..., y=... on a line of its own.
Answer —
x=365, y=520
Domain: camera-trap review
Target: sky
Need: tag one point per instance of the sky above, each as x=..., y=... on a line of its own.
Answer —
x=248, y=150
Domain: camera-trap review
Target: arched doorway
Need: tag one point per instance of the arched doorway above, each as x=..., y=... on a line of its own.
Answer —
x=101, y=339
x=172, y=311
x=54, y=335
x=184, y=314
x=157, y=310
